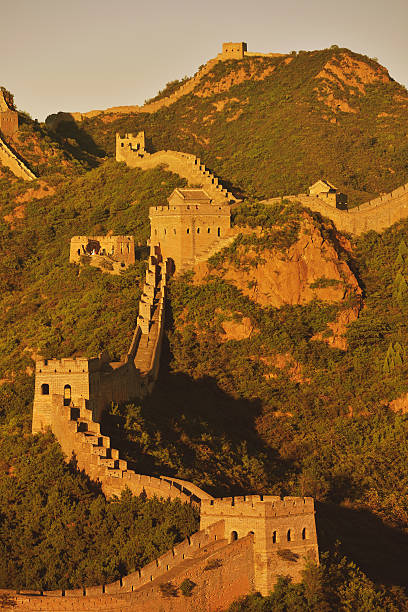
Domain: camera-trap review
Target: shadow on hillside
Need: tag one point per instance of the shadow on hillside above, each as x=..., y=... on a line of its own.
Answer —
x=379, y=550
x=195, y=419
x=74, y=139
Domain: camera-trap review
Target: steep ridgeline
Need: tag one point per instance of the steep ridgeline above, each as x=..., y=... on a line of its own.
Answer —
x=244, y=543
x=376, y=214
x=131, y=150
x=229, y=51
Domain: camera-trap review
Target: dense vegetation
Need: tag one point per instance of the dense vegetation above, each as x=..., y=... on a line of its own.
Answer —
x=58, y=531
x=269, y=126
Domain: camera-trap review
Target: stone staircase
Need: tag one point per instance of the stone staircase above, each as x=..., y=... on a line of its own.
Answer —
x=186, y=165
x=93, y=452
x=148, y=342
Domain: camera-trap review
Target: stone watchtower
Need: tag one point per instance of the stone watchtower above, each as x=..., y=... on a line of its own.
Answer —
x=130, y=144
x=329, y=193
x=284, y=533
x=232, y=50
x=189, y=227
x=8, y=117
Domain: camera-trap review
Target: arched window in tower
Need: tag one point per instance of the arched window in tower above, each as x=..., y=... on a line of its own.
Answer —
x=289, y=536
x=274, y=537
x=234, y=536
x=67, y=395
x=198, y=230
x=304, y=533
x=219, y=231
x=209, y=230
x=188, y=230
x=45, y=389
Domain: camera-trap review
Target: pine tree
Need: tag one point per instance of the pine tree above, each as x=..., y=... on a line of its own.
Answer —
x=395, y=357
x=403, y=249
x=400, y=290
x=389, y=359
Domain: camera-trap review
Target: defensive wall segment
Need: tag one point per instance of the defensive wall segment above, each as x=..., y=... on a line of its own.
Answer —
x=243, y=544
x=71, y=394
x=130, y=149
x=376, y=214
x=14, y=163
x=8, y=127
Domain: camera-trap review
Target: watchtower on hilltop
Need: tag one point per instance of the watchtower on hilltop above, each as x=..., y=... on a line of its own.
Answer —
x=232, y=50
x=189, y=227
x=8, y=117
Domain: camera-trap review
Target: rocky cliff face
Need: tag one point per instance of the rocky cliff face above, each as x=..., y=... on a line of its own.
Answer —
x=312, y=268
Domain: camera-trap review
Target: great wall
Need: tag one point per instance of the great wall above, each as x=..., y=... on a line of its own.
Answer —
x=244, y=543
x=8, y=127
x=376, y=214
x=131, y=150
x=230, y=51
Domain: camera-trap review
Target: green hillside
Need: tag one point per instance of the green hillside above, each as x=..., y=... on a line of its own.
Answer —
x=273, y=126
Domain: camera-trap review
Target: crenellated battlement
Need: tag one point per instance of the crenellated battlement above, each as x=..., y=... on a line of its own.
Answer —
x=259, y=505
x=67, y=365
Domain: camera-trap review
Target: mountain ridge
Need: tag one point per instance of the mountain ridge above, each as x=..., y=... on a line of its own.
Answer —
x=268, y=126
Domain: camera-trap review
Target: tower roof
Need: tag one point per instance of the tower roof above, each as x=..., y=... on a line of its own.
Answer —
x=190, y=195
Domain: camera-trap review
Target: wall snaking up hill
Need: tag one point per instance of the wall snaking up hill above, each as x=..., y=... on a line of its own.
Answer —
x=16, y=165
x=184, y=164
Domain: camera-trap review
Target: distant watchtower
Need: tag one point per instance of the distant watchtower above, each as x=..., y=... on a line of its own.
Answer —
x=8, y=116
x=130, y=144
x=232, y=50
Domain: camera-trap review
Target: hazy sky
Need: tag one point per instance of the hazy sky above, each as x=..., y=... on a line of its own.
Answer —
x=79, y=55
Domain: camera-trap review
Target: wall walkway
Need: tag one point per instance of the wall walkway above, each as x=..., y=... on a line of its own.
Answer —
x=376, y=214
x=16, y=165
x=220, y=571
x=184, y=164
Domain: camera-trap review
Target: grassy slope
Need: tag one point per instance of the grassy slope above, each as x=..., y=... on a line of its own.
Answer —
x=285, y=137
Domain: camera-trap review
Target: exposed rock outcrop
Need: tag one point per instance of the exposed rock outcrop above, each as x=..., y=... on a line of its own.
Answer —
x=311, y=268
